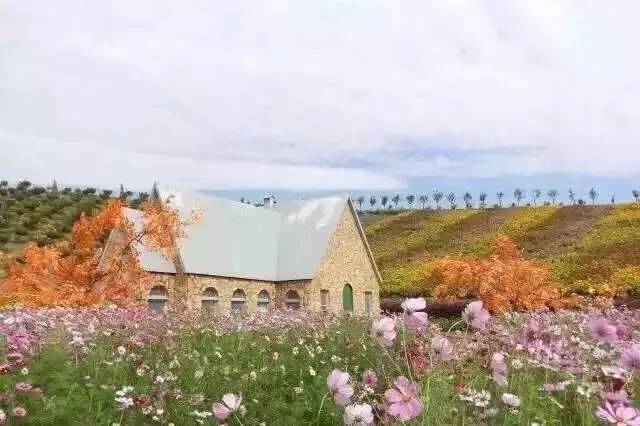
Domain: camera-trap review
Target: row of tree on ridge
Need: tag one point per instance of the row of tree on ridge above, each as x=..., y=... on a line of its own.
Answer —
x=439, y=198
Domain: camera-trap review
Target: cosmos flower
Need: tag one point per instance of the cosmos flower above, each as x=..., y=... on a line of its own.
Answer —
x=476, y=315
x=339, y=386
x=358, y=414
x=442, y=348
x=370, y=378
x=230, y=403
x=620, y=415
x=413, y=319
x=602, y=329
x=403, y=400
x=511, y=400
x=384, y=331
x=499, y=369
x=19, y=411
x=630, y=358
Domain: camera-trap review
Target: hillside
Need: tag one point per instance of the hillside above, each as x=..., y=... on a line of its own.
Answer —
x=43, y=215
x=587, y=247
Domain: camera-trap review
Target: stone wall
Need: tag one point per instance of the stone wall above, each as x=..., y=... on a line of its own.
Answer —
x=346, y=261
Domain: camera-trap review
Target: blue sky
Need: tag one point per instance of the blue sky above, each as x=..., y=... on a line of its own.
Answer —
x=307, y=97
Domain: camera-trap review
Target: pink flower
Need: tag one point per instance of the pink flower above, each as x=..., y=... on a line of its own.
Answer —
x=630, y=358
x=23, y=387
x=370, y=378
x=620, y=415
x=230, y=403
x=414, y=320
x=476, y=315
x=339, y=387
x=403, y=400
x=442, y=348
x=616, y=397
x=3, y=416
x=601, y=328
x=384, y=331
x=498, y=369
x=19, y=411
x=358, y=414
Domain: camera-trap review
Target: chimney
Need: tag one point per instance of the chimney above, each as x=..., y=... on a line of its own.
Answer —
x=267, y=201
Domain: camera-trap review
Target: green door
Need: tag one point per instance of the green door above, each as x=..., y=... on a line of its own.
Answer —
x=347, y=298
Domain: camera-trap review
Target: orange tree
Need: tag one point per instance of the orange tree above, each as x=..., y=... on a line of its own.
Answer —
x=79, y=272
x=503, y=280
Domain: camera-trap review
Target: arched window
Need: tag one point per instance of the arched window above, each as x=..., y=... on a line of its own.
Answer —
x=292, y=299
x=237, y=301
x=157, y=298
x=263, y=301
x=347, y=298
x=209, y=300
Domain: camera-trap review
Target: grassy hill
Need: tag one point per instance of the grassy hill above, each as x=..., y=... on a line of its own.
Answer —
x=586, y=246
x=34, y=213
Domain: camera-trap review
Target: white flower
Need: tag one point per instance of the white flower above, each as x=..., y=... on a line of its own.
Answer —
x=312, y=372
x=613, y=371
x=121, y=350
x=232, y=401
x=24, y=371
x=511, y=399
x=198, y=373
x=358, y=414
x=412, y=305
x=253, y=375
x=298, y=390
x=517, y=364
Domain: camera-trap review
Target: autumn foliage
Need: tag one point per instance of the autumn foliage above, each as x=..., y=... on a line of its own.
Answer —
x=503, y=281
x=79, y=272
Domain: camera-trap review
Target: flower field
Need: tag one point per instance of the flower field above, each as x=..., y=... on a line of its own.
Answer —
x=589, y=249
x=116, y=366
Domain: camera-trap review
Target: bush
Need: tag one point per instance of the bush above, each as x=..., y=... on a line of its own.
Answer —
x=503, y=281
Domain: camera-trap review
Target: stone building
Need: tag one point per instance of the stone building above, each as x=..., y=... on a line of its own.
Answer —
x=240, y=257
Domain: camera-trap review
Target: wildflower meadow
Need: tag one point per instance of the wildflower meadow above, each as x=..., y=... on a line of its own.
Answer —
x=116, y=366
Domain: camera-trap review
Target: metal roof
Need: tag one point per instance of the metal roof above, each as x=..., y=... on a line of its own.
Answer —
x=239, y=240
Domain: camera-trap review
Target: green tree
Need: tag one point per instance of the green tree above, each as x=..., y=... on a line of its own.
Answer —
x=518, y=195
x=360, y=201
x=553, y=194
x=424, y=199
x=373, y=200
x=536, y=196
x=396, y=200
x=437, y=197
x=451, y=197
x=410, y=199
x=500, y=196
x=593, y=194
x=572, y=197
x=384, y=200
x=23, y=185
x=468, y=200
x=483, y=199
x=636, y=194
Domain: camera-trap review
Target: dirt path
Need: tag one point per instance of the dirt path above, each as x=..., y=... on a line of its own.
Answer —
x=561, y=231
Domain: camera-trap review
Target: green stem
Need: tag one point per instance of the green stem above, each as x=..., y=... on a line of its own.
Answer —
x=320, y=408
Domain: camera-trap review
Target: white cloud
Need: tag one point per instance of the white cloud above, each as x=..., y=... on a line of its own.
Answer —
x=294, y=93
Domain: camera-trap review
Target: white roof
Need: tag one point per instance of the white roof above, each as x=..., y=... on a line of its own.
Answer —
x=239, y=240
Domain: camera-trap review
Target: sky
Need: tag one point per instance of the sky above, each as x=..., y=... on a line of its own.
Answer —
x=313, y=96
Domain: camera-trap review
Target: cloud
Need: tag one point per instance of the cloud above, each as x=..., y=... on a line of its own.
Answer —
x=318, y=95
